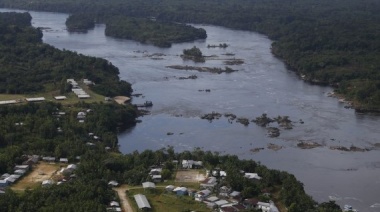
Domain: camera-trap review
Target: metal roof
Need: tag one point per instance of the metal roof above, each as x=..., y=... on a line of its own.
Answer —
x=141, y=201
x=148, y=185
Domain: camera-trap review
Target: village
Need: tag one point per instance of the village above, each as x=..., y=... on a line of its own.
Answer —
x=192, y=183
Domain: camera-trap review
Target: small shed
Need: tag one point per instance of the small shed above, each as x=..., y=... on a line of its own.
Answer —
x=142, y=202
x=221, y=202
x=20, y=171
x=22, y=167
x=63, y=160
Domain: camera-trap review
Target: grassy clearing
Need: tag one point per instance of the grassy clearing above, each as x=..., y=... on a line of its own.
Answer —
x=40, y=172
x=160, y=200
x=189, y=176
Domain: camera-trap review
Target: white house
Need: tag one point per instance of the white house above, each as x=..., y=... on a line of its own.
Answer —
x=253, y=176
x=201, y=195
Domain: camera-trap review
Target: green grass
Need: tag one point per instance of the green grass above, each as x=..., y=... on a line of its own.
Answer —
x=160, y=200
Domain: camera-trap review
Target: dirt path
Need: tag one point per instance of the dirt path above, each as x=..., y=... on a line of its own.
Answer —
x=123, y=198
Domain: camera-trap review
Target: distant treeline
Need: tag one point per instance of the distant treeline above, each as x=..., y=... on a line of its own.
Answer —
x=158, y=33
x=328, y=42
x=30, y=66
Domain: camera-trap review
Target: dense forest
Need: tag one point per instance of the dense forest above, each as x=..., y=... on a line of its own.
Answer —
x=30, y=66
x=333, y=43
x=80, y=22
x=144, y=30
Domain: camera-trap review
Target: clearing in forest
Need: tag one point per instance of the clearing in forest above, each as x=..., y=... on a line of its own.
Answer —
x=40, y=172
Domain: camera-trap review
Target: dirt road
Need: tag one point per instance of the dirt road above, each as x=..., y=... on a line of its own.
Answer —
x=123, y=198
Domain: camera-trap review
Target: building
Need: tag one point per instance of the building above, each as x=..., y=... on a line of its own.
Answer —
x=113, y=183
x=265, y=207
x=142, y=202
x=46, y=183
x=169, y=188
x=208, y=183
x=190, y=164
x=180, y=191
x=252, y=176
x=157, y=178
x=149, y=185
x=201, y=195
x=63, y=160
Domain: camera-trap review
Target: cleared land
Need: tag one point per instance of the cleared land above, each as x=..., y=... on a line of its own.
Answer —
x=161, y=200
x=189, y=176
x=40, y=172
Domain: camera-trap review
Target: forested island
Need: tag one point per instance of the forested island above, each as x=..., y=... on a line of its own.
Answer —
x=80, y=22
x=158, y=33
x=51, y=135
x=326, y=42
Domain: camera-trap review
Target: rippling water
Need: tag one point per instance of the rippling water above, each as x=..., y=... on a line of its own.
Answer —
x=262, y=85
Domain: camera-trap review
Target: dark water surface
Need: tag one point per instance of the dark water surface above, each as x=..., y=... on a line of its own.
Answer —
x=262, y=85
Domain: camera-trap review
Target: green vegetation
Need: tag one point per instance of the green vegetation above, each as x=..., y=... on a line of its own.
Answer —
x=80, y=22
x=193, y=54
x=161, y=34
x=161, y=200
x=327, y=42
x=28, y=66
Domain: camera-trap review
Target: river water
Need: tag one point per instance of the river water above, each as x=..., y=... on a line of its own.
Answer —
x=261, y=85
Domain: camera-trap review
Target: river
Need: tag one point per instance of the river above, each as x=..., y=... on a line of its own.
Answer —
x=261, y=85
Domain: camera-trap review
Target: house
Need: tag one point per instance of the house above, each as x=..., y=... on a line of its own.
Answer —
x=169, y=188
x=212, y=199
x=22, y=167
x=3, y=183
x=222, y=202
x=142, y=202
x=114, y=204
x=81, y=115
x=180, y=191
x=31, y=160
x=156, y=178
x=149, y=185
x=46, y=183
x=190, y=164
x=224, y=191
x=37, y=99
x=10, y=180
x=113, y=183
x=63, y=160
x=222, y=174
x=156, y=171
x=201, y=195
x=72, y=166
x=48, y=159
x=209, y=183
x=250, y=203
x=252, y=176
x=60, y=97
x=232, y=208
x=20, y=172
x=265, y=207
x=235, y=195
x=4, y=176
x=87, y=82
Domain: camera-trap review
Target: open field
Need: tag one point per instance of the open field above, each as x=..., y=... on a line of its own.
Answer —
x=40, y=172
x=189, y=176
x=160, y=200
